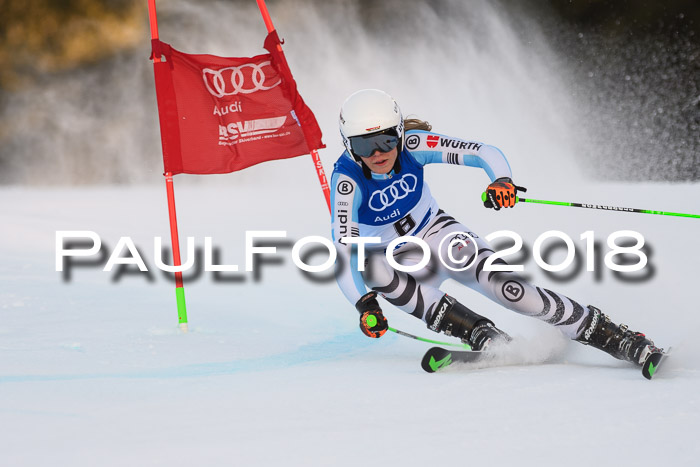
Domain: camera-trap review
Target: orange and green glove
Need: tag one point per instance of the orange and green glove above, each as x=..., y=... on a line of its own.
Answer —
x=501, y=193
x=372, y=321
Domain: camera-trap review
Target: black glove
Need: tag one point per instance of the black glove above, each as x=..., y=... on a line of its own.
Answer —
x=501, y=193
x=372, y=321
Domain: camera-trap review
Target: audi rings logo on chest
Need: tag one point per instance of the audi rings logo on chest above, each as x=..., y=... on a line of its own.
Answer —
x=243, y=79
x=382, y=199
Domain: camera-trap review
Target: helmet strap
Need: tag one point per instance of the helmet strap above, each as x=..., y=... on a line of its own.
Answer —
x=366, y=170
x=397, y=164
x=399, y=150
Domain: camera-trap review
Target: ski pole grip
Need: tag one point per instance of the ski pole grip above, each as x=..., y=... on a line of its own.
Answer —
x=486, y=200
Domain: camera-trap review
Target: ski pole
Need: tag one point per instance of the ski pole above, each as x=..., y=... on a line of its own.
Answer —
x=597, y=206
x=423, y=339
x=604, y=207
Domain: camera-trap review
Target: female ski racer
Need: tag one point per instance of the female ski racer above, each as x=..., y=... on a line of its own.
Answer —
x=378, y=190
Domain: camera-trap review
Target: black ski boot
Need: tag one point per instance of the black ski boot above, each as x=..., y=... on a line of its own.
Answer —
x=455, y=319
x=617, y=341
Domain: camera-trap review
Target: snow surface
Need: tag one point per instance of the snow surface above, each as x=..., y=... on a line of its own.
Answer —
x=274, y=371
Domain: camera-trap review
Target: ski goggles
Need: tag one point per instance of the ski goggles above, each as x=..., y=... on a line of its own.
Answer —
x=366, y=145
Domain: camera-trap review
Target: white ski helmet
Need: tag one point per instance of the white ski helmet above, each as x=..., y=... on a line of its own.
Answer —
x=365, y=117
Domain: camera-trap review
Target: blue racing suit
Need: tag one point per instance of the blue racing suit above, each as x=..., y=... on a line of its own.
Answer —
x=400, y=204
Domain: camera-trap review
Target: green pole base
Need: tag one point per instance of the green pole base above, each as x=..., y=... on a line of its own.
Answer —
x=181, y=308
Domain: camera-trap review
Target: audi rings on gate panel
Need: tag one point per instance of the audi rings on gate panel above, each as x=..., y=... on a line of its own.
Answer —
x=230, y=81
x=382, y=199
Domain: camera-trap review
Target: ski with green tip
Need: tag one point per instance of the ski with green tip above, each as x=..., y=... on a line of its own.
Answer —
x=437, y=358
x=653, y=363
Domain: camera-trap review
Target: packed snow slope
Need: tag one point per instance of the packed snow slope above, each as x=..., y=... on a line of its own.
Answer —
x=275, y=371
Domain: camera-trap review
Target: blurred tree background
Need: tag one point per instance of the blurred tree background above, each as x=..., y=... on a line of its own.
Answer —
x=51, y=36
x=637, y=68
x=623, y=48
x=615, y=17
